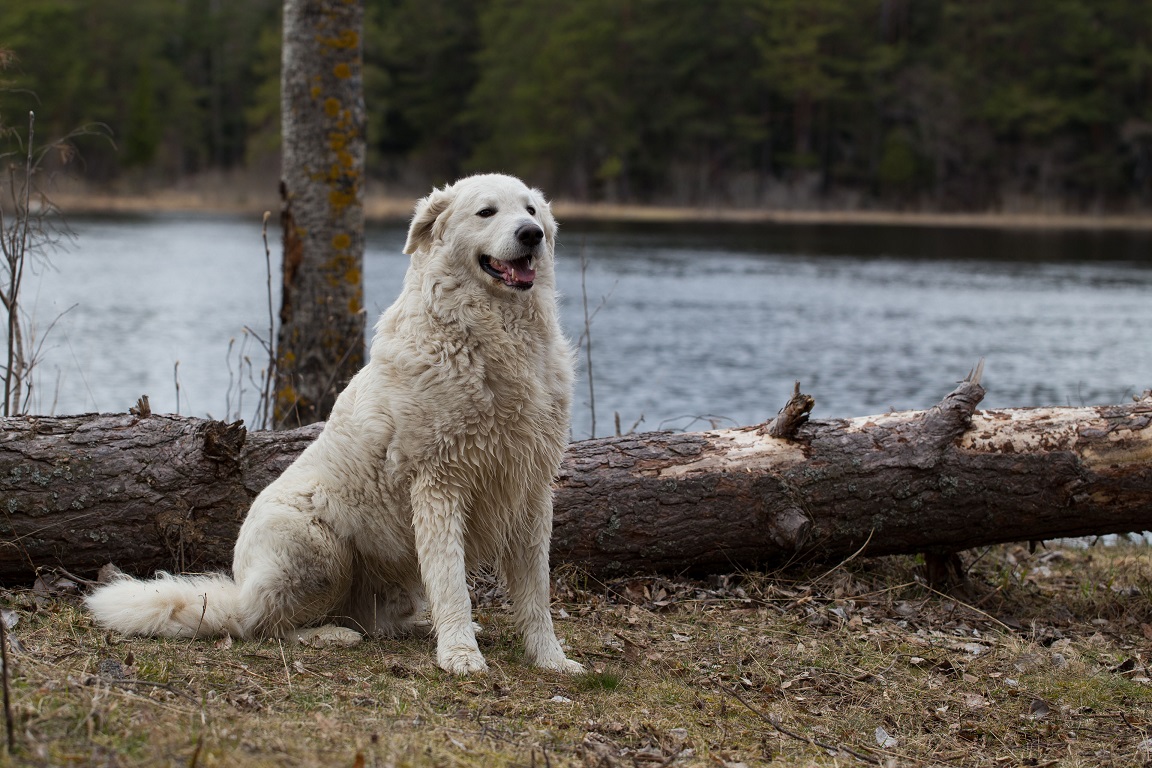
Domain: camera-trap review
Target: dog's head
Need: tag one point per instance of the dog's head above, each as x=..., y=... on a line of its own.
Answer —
x=489, y=227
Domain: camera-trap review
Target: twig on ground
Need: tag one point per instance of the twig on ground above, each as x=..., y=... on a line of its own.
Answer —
x=78, y=579
x=9, y=725
x=284, y=660
x=970, y=607
x=775, y=723
x=129, y=684
x=203, y=613
x=846, y=560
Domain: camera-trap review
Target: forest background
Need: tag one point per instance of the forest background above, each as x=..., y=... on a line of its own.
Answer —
x=1029, y=105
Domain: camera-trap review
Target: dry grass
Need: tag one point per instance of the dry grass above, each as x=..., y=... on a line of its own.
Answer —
x=1043, y=663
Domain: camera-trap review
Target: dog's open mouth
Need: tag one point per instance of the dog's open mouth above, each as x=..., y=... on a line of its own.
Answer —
x=517, y=273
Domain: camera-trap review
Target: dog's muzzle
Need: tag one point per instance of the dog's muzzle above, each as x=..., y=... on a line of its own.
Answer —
x=515, y=273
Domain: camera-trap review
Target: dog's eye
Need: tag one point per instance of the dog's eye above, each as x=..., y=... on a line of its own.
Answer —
x=485, y=213
x=531, y=211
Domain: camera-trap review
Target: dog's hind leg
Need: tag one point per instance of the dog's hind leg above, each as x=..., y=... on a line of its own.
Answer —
x=292, y=570
x=525, y=569
x=438, y=522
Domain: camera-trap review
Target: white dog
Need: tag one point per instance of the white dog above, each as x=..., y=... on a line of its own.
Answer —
x=439, y=456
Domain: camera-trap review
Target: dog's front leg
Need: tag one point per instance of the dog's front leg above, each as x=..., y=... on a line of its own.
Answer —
x=438, y=522
x=525, y=568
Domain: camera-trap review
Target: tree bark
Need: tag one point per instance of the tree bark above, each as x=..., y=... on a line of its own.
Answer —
x=320, y=343
x=170, y=492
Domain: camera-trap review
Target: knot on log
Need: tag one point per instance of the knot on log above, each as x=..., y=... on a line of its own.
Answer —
x=223, y=442
x=790, y=528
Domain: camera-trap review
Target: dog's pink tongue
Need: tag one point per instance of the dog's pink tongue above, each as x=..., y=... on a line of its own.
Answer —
x=522, y=270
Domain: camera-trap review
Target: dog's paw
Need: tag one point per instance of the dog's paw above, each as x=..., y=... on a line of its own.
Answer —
x=562, y=664
x=461, y=660
x=328, y=636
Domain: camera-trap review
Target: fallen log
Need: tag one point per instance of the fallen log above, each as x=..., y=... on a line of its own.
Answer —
x=150, y=491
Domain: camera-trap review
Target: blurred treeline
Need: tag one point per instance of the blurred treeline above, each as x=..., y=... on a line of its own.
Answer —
x=950, y=104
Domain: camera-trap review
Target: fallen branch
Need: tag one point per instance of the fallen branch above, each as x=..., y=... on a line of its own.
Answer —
x=149, y=491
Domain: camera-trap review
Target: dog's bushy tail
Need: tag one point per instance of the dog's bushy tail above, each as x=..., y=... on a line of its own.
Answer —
x=170, y=606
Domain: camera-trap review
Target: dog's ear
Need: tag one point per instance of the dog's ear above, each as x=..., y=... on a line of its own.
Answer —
x=422, y=230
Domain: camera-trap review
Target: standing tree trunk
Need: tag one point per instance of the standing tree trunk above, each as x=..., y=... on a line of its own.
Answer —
x=320, y=344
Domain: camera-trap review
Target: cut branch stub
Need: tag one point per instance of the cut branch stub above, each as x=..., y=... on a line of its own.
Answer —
x=792, y=416
x=943, y=424
x=951, y=417
x=224, y=442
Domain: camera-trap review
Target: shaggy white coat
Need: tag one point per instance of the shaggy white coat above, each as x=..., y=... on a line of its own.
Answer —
x=438, y=456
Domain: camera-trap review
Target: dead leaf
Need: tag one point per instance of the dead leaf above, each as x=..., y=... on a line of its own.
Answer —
x=54, y=584
x=245, y=701
x=884, y=739
x=1028, y=662
x=1038, y=708
x=906, y=609
x=975, y=649
x=1128, y=665
x=108, y=573
x=973, y=700
x=650, y=755
x=632, y=649
x=599, y=752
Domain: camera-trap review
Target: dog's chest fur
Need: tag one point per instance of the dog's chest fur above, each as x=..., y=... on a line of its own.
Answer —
x=499, y=408
x=480, y=409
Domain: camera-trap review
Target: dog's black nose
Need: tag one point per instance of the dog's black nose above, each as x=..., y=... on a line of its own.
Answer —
x=530, y=235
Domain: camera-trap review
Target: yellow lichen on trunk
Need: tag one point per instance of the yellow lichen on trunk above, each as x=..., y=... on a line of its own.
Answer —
x=323, y=134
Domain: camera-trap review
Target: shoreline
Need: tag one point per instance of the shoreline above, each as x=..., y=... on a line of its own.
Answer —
x=383, y=208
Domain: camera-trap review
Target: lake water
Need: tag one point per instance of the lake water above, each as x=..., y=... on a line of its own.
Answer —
x=695, y=324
